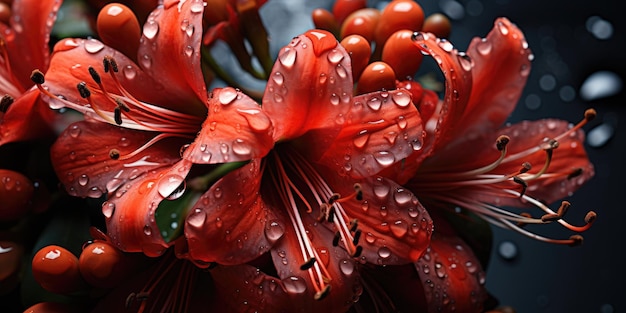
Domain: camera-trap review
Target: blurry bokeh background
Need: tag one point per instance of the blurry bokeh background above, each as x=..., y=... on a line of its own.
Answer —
x=580, y=62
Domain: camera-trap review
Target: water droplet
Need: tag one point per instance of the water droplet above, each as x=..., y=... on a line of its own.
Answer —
x=381, y=191
x=171, y=186
x=274, y=231
x=147, y=230
x=74, y=131
x=484, y=47
x=335, y=56
x=341, y=71
x=334, y=99
x=507, y=250
x=197, y=7
x=93, y=46
x=384, y=158
x=146, y=61
x=600, y=135
x=402, y=99
x=197, y=218
x=361, y=139
x=374, y=103
x=129, y=72
x=524, y=70
x=240, y=147
x=446, y=45
x=227, y=95
x=150, y=29
x=465, y=61
x=323, y=78
x=188, y=51
x=294, y=284
x=399, y=228
x=401, y=122
x=503, y=28
x=108, y=208
x=288, y=57
x=83, y=180
x=278, y=78
x=384, y=252
x=347, y=267
x=189, y=30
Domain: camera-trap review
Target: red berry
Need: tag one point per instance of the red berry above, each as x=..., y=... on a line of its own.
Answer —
x=402, y=54
x=361, y=22
x=16, y=192
x=398, y=15
x=56, y=270
x=360, y=51
x=376, y=76
x=438, y=24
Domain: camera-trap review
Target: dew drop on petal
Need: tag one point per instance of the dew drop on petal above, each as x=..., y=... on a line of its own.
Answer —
x=384, y=252
x=150, y=29
x=188, y=51
x=129, y=72
x=374, y=103
x=347, y=267
x=108, y=208
x=361, y=139
x=197, y=218
x=170, y=186
x=278, y=78
x=196, y=7
x=399, y=228
x=83, y=180
x=335, y=56
x=384, y=158
x=484, y=47
x=274, y=231
x=288, y=57
x=227, y=95
x=256, y=119
x=294, y=284
x=402, y=99
x=93, y=46
x=147, y=230
x=240, y=147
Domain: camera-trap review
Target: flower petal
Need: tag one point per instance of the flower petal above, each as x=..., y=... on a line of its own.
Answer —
x=130, y=212
x=175, y=29
x=70, y=64
x=342, y=275
x=27, y=118
x=87, y=169
x=27, y=39
x=230, y=223
x=236, y=129
x=382, y=128
x=310, y=87
x=457, y=68
x=452, y=277
x=395, y=227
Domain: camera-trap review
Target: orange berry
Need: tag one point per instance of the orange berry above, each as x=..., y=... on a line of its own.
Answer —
x=56, y=270
x=438, y=24
x=376, y=76
x=360, y=51
x=16, y=192
x=361, y=22
x=401, y=53
x=343, y=8
x=397, y=15
x=325, y=20
x=118, y=27
x=102, y=265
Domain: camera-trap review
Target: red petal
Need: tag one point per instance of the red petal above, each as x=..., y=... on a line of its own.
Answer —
x=457, y=71
x=87, y=170
x=501, y=67
x=297, y=283
x=395, y=227
x=73, y=57
x=245, y=288
x=452, y=276
x=310, y=87
x=236, y=129
x=381, y=129
x=27, y=39
x=170, y=47
x=130, y=213
x=27, y=118
x=230, y=223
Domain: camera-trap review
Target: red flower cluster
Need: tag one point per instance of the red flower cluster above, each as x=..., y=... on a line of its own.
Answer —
x=338, y=189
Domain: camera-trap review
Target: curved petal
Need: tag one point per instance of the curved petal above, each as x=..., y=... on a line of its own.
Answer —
x=341, y=270
x=457, y=68
x=87, y=169
x=236, y=129
x=310, y=87
x=230, y=223
x=70, y=64
x=170, y=50
x=27, y=118
x=382, y=128
x=395, y=227
x=27, y=39
x=501, y=67
x=130, y=212
x=247, y=289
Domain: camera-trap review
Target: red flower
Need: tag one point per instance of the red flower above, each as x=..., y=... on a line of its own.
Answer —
x=137, y=118
x=23, y=47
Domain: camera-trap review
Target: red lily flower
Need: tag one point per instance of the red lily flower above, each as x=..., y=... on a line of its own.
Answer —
x=534, y=163
x=139, y=116
x=312, y=198
x=24, y=46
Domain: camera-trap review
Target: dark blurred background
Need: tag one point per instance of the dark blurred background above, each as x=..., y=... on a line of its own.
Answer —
x=580, y=63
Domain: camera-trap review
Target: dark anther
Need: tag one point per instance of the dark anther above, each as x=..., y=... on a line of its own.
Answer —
x=354, y=224
x=526, y=215
x=357, y=252
x=122, y=105
x=117, y=115
x=590, y=114
x=37, y=77
x=359, y=191
x=94, y=75
x=113, y=64
x=577, y=240
x=114, y=154
x=590, y=217
x=521, y=182
x=357, y=236
x=550, y=217
x=83, y=90
x=563, y=208
x=502, y=141
x=5, y=103
x=322, y=293
x=525, y=167
x=106, y=64
x=336, y=239
x=333, y=198
x=550, y=145
x=308, y=264
x=575, y=173
x=331, y=215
